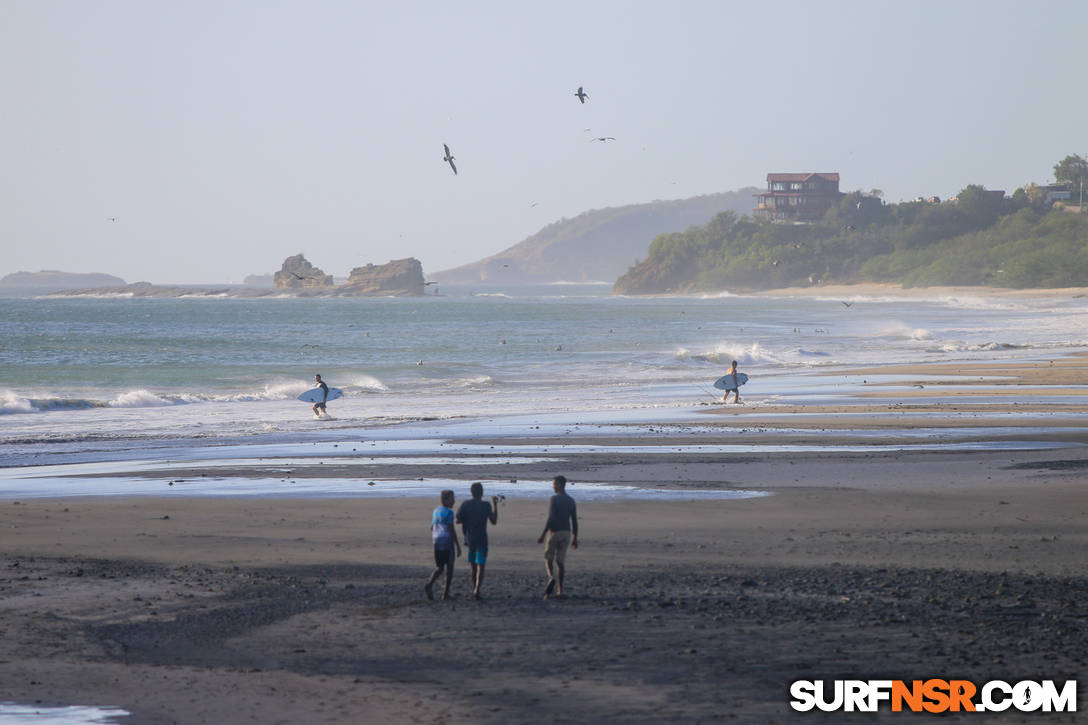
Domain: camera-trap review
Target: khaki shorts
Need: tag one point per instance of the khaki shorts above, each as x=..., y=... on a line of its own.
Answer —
x=555, y=546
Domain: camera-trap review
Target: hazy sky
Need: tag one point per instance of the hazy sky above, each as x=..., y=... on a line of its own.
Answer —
x=225, y=136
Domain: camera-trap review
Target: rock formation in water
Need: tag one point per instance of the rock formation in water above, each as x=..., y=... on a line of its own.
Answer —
x=398, y=278
x=298, y=273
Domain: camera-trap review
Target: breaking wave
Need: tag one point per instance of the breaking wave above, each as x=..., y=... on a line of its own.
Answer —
x=726, y=352
x=901, y=331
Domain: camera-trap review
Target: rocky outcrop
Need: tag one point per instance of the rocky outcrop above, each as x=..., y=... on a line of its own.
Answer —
x=398, y=278
x=298, y=273
x=260, y=280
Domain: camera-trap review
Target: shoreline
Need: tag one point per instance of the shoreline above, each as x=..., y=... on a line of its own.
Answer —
x=885, y=289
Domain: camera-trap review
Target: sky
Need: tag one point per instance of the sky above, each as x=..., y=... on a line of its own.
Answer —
x=206, y=141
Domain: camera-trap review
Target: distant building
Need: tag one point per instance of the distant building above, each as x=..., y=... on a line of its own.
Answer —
x=1057, y=192
x=798, y=197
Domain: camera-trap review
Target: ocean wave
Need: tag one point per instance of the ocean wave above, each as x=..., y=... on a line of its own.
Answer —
x=726, y=352
x=717, y=296
x=366, y=383
x=13, y=403
x=480, y=381
x=491, y=294
x=978, y=347
x=978, y=303
x=902, y=331
x=142, y=399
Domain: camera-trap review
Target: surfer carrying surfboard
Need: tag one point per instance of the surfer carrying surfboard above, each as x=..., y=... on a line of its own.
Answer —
x=321, y=403
x=731, y=379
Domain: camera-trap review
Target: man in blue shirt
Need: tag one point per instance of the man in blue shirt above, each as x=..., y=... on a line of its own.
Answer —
x=473, y=517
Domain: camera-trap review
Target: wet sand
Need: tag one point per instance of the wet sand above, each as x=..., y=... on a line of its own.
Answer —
x=872, y=564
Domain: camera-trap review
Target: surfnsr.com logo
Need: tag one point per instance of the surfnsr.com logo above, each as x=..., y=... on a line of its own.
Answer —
x=933, y=696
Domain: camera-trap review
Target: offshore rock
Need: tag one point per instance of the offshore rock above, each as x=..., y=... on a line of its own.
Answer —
x=398, y=278
x=298, y=273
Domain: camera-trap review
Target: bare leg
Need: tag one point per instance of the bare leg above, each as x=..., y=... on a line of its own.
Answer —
x=475, y=575
x=449, y=581
x=559, y=588
x=479, y=581
x=551, y=578
x=427, y=588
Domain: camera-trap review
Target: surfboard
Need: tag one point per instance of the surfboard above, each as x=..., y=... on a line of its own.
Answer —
x=725, y=382
x=317, y=395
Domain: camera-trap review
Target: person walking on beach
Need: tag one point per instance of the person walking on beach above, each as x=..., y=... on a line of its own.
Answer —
x=735, y=390
x=319, y=406
x=473, y=517
x=445, y=542
x=561, y=530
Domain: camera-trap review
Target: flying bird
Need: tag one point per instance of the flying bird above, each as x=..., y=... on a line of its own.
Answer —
x=111, y=218
x=582, y=95
x=604, y=138
x=847, y=304
x=448, y=158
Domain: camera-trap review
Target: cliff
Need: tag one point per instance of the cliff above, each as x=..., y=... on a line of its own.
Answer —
x=399, y=278
x=298, y=273
x=597, y=245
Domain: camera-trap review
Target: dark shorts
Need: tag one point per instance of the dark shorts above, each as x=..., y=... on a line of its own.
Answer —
x=442, y=557
x=477, y=555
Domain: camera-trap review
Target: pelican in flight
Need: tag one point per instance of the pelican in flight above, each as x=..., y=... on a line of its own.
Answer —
x=582, y=95
x=448, y=158
x=604, y=138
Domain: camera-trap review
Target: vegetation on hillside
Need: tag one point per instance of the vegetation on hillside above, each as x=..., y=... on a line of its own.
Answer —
x=977, y=239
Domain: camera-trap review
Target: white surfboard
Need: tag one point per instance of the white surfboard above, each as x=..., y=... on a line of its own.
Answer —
x=725, y=382
x=317, y=395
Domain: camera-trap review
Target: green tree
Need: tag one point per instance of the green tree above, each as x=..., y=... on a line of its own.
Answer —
x=1072, y=169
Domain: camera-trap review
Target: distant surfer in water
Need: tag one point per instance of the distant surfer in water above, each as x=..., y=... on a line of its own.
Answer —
x=319, y=407
x=735, y=390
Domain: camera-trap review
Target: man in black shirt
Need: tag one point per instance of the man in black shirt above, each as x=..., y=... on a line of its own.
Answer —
x=321, y=403
x=473, y=517
x=561, y=529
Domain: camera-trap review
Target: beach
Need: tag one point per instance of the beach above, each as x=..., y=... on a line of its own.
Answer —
x=900, y=495
x=879, y=564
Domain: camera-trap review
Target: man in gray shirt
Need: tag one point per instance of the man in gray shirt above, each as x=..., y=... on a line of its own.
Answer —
x=561, y=530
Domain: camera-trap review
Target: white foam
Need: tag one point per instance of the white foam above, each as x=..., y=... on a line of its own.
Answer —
x=11, y=402
x=367, y=383
x=897, y=330
x=139, y=399
x=725, y=352
x=14, y=714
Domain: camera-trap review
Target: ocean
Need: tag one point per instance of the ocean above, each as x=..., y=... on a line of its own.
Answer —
x=98, y=378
